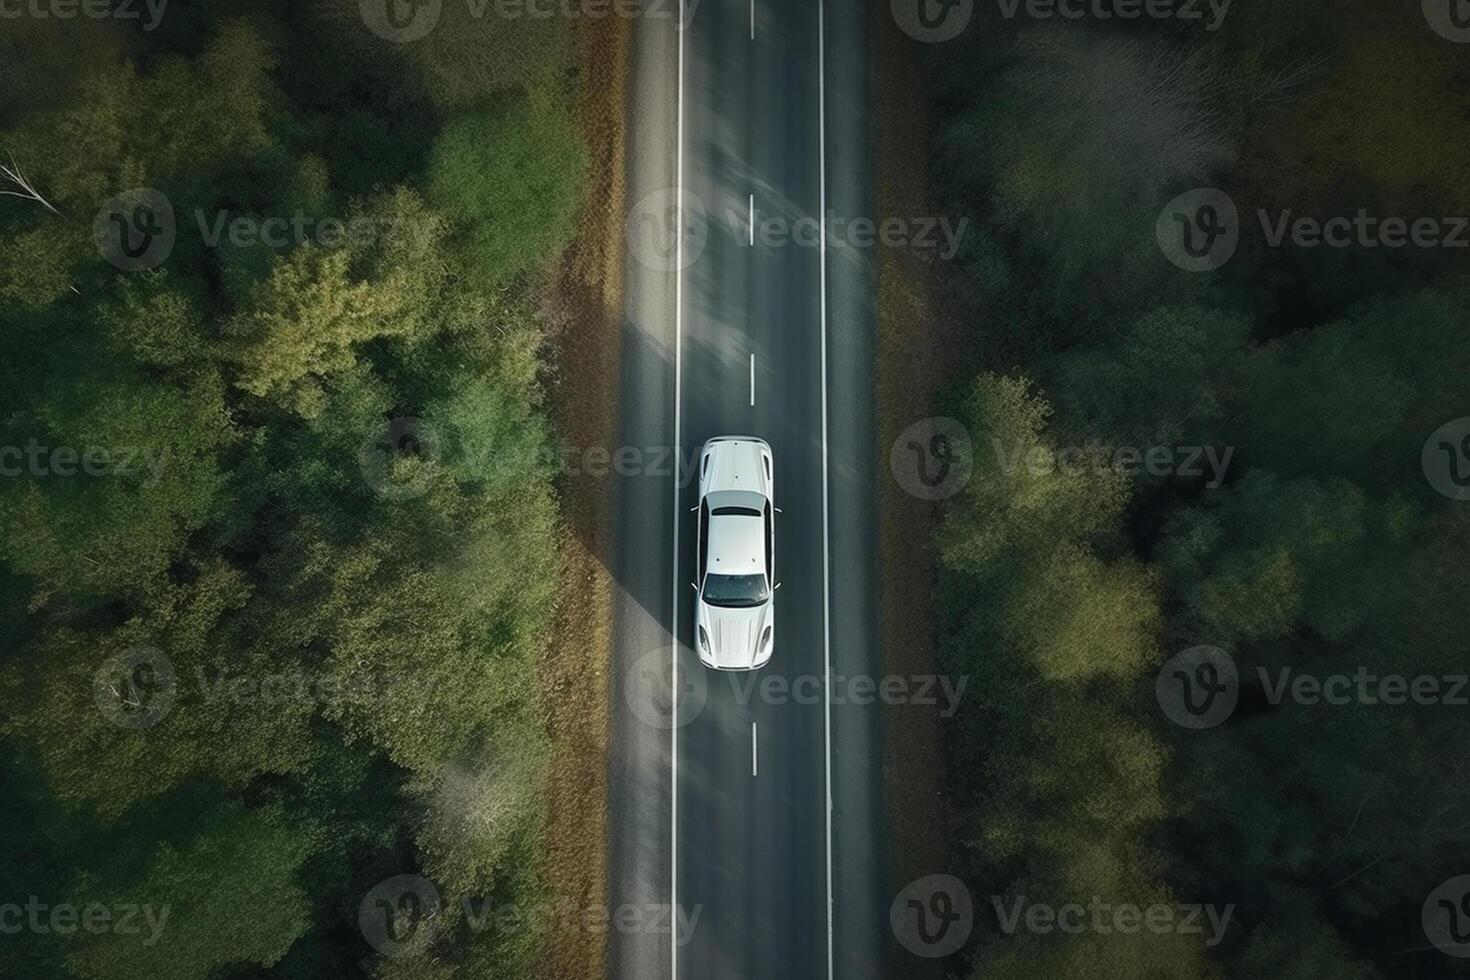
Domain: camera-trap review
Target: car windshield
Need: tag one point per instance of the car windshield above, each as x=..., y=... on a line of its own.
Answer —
x=735, y=590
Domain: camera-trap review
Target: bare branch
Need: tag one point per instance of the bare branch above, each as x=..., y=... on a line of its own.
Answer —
x=1282, y=87
x=12, y=173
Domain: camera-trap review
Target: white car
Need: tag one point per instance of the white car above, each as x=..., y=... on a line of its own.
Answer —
x=734, y=617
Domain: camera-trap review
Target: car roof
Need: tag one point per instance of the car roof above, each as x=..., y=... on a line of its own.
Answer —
x=737, y=545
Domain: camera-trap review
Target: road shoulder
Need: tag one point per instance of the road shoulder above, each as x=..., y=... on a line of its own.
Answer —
x=911, y=364
x=586, y=354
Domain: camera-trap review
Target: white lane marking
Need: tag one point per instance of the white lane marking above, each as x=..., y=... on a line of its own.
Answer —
x=750, y=225
x=826, y=533
x=752, y=20
x=678, y=422
x=754, y=757
x=752, y=381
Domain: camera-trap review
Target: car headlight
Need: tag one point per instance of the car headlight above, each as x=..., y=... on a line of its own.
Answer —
x=765, y=640
x=703, y=639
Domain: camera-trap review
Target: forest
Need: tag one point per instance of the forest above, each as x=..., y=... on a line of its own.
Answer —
x=273, y=318
x=1334, y=544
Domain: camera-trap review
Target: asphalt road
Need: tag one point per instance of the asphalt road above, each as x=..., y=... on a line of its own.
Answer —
x=752, y=802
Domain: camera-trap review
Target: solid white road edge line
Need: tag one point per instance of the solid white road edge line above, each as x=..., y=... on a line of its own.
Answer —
x=678, y=421
x=826, y=533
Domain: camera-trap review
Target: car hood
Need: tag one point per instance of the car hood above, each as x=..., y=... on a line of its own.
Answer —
x=734, y=634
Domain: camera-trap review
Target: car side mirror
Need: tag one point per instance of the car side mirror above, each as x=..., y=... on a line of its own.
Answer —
x=694, y=586
x=776, y=587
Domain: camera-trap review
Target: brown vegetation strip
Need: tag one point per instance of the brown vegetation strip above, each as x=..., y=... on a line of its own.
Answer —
x=912, y=340
x=585, y=358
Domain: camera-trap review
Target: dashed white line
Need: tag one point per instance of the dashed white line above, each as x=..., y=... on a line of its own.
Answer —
x=752, y=381
x=752, y=20
x=754, y=755
x=750, y=225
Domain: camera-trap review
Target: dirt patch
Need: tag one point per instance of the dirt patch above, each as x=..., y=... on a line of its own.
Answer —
x=583, y=385
x=913, y=364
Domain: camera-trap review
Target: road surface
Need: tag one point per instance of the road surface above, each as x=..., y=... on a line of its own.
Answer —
x=756, y=803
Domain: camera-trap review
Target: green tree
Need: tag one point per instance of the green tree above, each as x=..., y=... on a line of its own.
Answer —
x=1358, y=397
x=1168, y=379
x=211, y=728
x=1074, y=148
x=1263, y=558
x=180, y=123
x=305, y=322
x=341, y=635
x=471, y=54
x=1061, y=786
x=227, y=895
x=1412, y=146
x=142, y=476
x=511, y=178
x=1306, y=949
